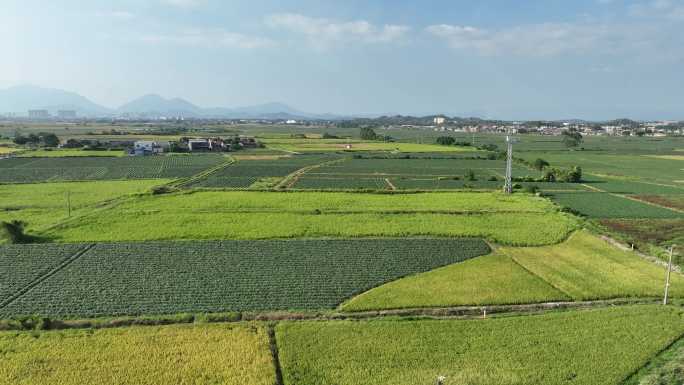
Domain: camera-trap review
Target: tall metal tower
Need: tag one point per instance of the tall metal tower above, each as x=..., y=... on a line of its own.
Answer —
x=508, y=185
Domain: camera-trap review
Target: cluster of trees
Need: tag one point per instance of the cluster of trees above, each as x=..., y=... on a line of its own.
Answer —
x=551, y=174
x=45, y=139
x=367, y=133
x=451, y=141
x=572, y=138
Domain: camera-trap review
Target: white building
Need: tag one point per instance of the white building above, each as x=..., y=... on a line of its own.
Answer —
x=147, y=147
x=439, y=120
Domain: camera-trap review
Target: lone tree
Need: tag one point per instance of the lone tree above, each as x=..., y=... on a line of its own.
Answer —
x=540, y=164
x=572, y=138
x=367, y=133
x=13, y=231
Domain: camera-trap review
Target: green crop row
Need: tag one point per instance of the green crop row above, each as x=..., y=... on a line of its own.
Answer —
x=605, y=205
x=22, y=264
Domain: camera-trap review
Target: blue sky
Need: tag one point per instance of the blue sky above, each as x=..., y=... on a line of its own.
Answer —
x=523, y=59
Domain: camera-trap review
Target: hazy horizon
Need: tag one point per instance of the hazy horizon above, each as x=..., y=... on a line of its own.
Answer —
x=586, y=59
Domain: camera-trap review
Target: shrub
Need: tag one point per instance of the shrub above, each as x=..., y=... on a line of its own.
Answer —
x=532, y=189
x=470, y=176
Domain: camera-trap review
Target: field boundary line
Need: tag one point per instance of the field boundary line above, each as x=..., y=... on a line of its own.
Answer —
x=539, y=277
x=45, y=276
x=453, y=313
x=289, y=180
x=655, y=260
x=275, y=356
x=650, y=203
x=625, y=196
x=202, y=175
x=389, y=183
x=592, y=188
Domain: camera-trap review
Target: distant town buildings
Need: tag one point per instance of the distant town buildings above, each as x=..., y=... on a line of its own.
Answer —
x=66, y=114
x=38, y=114
x=439, y=120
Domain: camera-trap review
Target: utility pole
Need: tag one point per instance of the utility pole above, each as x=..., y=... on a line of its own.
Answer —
x=68, y=199
x=508, y=185
x=669, y=271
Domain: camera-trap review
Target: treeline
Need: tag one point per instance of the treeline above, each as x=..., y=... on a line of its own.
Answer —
x=45, y=139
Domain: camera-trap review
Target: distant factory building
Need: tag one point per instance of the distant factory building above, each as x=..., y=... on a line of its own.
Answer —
x=439, y=120
x=66, y=114
x=38, y=114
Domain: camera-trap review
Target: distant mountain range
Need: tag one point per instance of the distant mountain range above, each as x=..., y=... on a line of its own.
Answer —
x=20, y=99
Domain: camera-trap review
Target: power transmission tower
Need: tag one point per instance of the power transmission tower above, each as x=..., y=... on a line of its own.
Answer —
x=508, y=185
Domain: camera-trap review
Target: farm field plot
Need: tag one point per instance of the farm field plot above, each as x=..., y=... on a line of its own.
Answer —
x=582, y=268
x=322, y=145
x=31, y=170
x=671, y=201
x=70, y=153
x=625, y=165
x=489, y=280
x=606, y=205
x=235, y=354
x=244, y=173
x=44, y=204
x=171, y=277
x=591, y=347
x=350, y=183
x=586, y=267
x=421, y=168
x=22, y=264
x=634, y=187
x=262, y=215
x=645, y=232
x=409, y=174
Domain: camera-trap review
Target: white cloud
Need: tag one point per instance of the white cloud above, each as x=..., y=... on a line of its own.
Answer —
x=117, y=15
x=210, y=38
x=672, y=10
x=324, y=33
x=547, y=39
x=183, y=3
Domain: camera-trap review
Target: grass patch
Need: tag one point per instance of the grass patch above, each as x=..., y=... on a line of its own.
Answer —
x=262, y=215
x=591, y=347
x=44, y=204
x=586, y=267
x=179, y=354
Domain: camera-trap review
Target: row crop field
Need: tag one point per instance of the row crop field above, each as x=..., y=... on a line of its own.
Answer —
x=172, y=277
x=583, y=267
x=630, y=166
x=264, y=215
x=244, y=173
x=301, y=145
x=591, y=347
x=177, y=354
x=21, y=265
x=606, y=205
x=31, y=170
x=417, y=167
